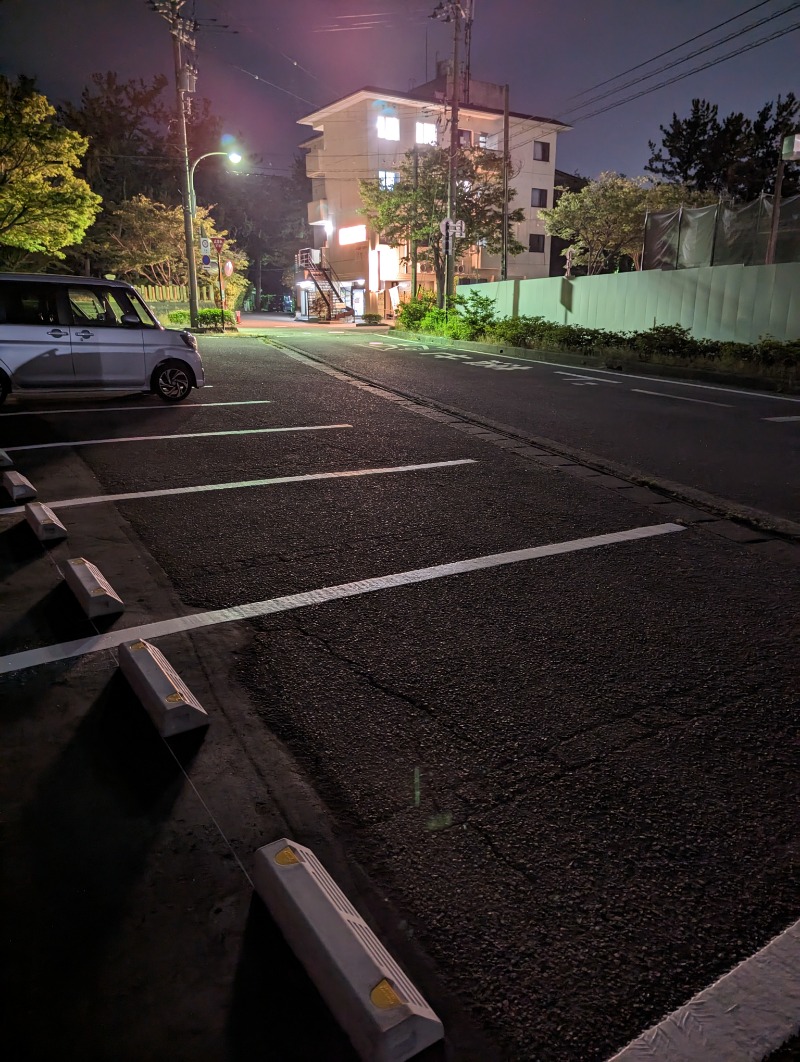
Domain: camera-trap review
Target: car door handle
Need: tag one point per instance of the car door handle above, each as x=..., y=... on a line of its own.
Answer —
x=84, y=334
x=56, y=333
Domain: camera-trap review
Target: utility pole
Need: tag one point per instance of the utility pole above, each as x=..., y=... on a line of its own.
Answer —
x=506, y=164
x=776, y=213
x=413, y=227
x=452, y=185
x=181, y=31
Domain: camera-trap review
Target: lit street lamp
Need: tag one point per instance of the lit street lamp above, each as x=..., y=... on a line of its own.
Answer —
x=233, y=156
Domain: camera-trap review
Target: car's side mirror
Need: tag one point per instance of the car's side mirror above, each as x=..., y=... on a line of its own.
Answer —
x=131, y=320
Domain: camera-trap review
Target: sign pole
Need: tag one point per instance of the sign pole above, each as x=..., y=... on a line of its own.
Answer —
x=221, y=290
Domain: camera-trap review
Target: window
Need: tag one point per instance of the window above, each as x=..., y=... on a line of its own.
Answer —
x=538, y=197
x=101, y=306
x=541, y=151
x=483, y=140
x=387, y=179
x=493, y=142
x=26, y=304
x=388, y=127
x=465, y=138
x=536, y=243
x=426, y=133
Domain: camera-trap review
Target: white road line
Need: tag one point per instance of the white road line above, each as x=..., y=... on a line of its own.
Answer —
x=629, y=375
x=781, y=420
x=578, y=376
x=748, y=1013
x=97, y=643
x=98, y=499
x=681, y=398
x=136, y=409
x=182, y=435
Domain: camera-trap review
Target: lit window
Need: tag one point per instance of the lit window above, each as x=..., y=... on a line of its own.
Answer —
x=536, y=243
x=426, y=133
x=483, y=140
x=387, y=179
x=388, y=127
x=465, y=138
x=538, y=197
x=353, y=234
x=541, y=151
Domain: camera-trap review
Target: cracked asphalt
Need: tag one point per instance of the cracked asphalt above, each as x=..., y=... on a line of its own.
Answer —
x=563, y=790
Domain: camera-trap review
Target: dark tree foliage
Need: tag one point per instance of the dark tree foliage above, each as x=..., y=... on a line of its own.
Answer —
x=735, y=157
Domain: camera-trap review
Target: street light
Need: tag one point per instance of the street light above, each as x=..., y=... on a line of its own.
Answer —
x=233, y=157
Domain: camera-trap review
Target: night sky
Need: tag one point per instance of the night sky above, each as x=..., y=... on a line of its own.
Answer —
x=547, y=50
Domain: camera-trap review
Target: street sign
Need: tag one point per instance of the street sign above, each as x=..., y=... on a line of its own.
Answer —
x=446, y=226
x=791, y=148
x=205, y=247
x=459, y=229
x=228, y=268
x=218, y=242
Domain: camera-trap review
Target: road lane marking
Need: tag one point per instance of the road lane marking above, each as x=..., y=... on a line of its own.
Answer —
x=681, y=398
x=781, y=420
x=748, y=1013
x=252, y=610
x=136, y=409
x=591, y=379
x=182, y=435
x=629, y=375
x=98, y=499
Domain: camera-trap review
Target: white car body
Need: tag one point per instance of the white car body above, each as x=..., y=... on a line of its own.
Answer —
x=63, y=333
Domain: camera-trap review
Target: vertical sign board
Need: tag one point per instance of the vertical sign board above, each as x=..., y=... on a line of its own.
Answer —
x=219, y=243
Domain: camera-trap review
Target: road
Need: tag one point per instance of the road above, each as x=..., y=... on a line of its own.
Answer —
x=741, y=447
x=537, y=722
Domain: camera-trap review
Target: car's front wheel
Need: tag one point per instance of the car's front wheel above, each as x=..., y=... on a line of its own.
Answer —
x=172, y=381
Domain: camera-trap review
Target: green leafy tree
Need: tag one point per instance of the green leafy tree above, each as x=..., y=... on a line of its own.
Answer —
x=143, y=240
x=412, y=209
x=735, y=157
x=603, y=223
x=44, y=204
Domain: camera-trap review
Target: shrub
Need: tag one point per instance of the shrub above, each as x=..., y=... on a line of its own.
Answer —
x=410, y=314
x=667, y=341
x=206, y=318
x=477, y=313
x=371, y=318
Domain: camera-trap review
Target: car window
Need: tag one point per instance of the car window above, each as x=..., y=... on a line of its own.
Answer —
x=28, y=304
x=88, y=307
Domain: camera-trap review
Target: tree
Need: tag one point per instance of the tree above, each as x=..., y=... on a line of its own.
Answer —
x=414, y=207
x=44, y=205
x=603, y=223
x=143, y=240
x=267, y=216
x=735, y=157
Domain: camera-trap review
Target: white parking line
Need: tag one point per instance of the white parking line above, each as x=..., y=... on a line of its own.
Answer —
x=81, y=647
x=136, y=409
x=681, y=398
x=748, y=1013
x=98, y=499
x=578, y=376
x=182, y=435
x=781, y=420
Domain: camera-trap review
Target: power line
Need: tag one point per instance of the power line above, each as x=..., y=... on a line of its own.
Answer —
x=674, y=48
x=691, y=55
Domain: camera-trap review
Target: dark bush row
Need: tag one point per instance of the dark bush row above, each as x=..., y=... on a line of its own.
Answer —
x=473, y=318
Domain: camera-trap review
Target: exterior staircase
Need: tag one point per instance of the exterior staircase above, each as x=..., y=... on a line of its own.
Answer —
x=313, y=265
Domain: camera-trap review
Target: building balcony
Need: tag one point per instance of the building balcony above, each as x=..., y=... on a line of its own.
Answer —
x=318, y=211
x=315, y=163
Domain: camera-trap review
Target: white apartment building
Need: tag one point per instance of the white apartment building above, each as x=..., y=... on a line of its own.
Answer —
x=366, y=135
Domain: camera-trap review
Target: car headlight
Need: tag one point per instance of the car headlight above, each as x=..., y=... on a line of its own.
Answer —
x=189, y=339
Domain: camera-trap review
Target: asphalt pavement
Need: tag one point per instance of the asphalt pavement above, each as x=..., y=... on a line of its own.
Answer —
x=538, y=722
x=739, y=446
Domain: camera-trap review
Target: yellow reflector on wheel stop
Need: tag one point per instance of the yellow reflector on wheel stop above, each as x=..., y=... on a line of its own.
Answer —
x=286, y=857
x=384, y=996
